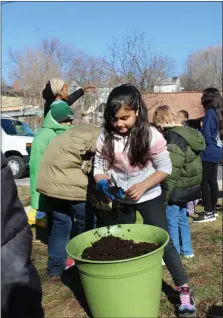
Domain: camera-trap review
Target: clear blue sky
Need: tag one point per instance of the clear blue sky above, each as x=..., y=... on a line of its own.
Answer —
x=175, y=29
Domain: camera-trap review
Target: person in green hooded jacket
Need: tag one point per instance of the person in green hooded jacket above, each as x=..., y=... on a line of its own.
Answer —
x=184, y=184
x=58, y=120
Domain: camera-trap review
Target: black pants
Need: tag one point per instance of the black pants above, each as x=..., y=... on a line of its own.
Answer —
x=153, y=213
x=209, y=185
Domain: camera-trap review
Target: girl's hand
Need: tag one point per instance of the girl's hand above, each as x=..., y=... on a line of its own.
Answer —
x=136, y=191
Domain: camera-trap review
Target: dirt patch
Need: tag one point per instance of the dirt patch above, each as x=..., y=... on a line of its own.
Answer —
x=113, y=248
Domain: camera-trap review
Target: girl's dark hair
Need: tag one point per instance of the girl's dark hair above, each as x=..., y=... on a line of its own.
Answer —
x=212, y=98
x=139, y=139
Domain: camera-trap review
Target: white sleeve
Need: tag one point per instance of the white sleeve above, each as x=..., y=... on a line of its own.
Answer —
x=100, y=159
x=159, y=153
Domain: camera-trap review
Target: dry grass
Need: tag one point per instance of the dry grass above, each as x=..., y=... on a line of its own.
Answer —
x=24, y=195
x=204, y=272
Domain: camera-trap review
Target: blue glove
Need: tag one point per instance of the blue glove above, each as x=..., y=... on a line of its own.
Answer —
x=121, y=194
x=103, y=186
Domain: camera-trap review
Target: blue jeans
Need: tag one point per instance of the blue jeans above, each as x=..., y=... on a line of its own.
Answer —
x=179, y=229
x=64, y=227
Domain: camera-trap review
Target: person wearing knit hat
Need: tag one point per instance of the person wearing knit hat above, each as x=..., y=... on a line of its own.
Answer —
x=58, y=120
x=57, y=89
x=61, y=112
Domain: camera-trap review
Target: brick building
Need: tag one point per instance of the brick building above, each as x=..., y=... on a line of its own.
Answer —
x=189, y=101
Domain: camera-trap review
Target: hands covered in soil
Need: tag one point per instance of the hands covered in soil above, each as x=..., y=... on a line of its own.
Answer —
x=136, y=191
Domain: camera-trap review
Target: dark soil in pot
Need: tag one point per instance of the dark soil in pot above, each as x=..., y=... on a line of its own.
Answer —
x=111, y=248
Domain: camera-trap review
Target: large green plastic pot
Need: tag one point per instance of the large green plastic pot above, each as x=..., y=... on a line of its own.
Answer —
x=124, y=288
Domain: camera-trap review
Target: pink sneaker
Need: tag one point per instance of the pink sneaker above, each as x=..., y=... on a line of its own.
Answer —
x=69, y=263
x=186, y=306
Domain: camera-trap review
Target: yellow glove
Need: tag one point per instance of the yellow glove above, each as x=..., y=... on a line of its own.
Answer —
x=31, y=214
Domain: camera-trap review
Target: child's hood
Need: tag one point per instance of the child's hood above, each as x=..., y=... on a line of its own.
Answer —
x=50, y=123
x=193, y=137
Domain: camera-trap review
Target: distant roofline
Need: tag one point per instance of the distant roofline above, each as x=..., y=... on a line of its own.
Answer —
x=182, y=92
x=164, y=84
x=11, y=91
x=170, y=80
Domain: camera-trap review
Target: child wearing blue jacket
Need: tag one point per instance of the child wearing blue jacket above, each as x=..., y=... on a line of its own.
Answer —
x=212, y=130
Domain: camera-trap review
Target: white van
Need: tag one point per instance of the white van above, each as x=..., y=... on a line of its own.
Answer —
x=17, y=139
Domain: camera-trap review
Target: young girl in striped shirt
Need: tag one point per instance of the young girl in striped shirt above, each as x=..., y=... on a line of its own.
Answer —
x=134, y=156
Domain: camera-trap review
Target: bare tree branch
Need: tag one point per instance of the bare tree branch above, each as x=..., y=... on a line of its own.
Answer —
x=132, y=60
x=32, y=68
x=203, y=69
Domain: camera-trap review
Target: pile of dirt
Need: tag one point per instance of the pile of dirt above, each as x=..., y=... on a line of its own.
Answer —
x=111, y=248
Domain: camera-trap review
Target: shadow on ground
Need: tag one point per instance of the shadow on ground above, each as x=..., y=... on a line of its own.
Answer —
x=215, y=312
x=171, y=294
x=71, y=279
